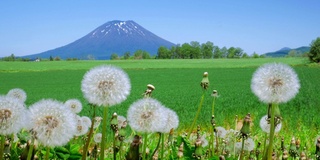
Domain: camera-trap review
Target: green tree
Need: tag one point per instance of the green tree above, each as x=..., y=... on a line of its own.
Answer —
x=126, y=55
x=231, y=52
x=145, y=55
x=207, y=50
x=114, y=56
x=314, y=54
x=245, y=55
x=292, y=53
x=137, y=54
x=224, y=52
x=51, y=58
x=177, y=51
x=163, y=53
x=216, y=52
x=255, y=55
x=195, y=49
x=186, y=51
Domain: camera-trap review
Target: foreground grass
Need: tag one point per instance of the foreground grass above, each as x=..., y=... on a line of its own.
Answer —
x=177, y=87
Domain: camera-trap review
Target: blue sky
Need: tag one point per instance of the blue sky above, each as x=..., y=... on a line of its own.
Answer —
x=29, y=27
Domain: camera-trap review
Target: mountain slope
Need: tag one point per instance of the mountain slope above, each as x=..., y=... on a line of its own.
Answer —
x=284, y=51
x=112, y=37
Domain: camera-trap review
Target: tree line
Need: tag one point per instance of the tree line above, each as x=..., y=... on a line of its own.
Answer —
x=192, y=50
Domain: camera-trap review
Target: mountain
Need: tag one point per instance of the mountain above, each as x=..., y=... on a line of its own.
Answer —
x=284, y=51
x=112, y=37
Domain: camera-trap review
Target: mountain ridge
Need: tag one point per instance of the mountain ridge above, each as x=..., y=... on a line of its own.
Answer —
x=111, y=37
x=285, y=51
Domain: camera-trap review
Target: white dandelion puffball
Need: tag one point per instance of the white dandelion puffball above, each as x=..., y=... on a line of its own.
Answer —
x=74, y=104
x=248, y=145
x=97, y=137
x=86, y=121
x=265, y=125
x=52, y=123
x=13, y=115
x=18, y=93
x=81, y=128
x=172, y=122
x=204, y=141
x=275, y=83
x=147, y=115
x=121, y=121
x=221, y=132
x=105, y=85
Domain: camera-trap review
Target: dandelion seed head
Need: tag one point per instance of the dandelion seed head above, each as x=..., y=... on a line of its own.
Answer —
x=275, y=83
x=86, y=121
x=18, y=93
x=74, y=104
x=122, y=121
x=97, y=138
x=52, y=123
x=172, y=121
x=147, y=115
x=221, y=132
x=13, y=115
x=248, y=145
x=265, y=125
x=105, y=85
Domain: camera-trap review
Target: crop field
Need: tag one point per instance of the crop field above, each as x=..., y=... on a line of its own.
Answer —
x=177, y=84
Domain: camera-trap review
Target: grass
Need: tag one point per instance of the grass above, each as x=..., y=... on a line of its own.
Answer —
x=177, y=85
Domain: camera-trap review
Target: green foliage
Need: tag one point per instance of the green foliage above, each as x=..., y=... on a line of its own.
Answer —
x=140, y=54
x=164, y=53
x=126, y=55
x=314, y=54
x=114, y=56
x=207, y=50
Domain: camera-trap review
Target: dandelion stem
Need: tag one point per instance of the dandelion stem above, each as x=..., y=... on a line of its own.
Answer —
x=85, y=149
x=47, y=153
x=114, y=147
x=213, y=102
x=145, y=141
x=104, y=132
x=2, y=146
x=271, y=136
x=235, y=139
x=242, y=146
x=265, y=143
x=162, y=146
x=158, y=144
x=212, y=142
x=30, y=150
x=197, y=114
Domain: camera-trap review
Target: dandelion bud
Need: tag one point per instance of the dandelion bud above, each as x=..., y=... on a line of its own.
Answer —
x=214, y=93
x=303, y=156
x=180, y=151
x=114, y=122
x=298, y=143
x=149, y=90
x=205, y=81
x=285, y=154
x=221, y=157
x=213, y=122
x=293, y=149
x=245, y=130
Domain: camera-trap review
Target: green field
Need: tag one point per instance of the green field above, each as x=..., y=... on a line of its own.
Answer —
x=177, y=87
